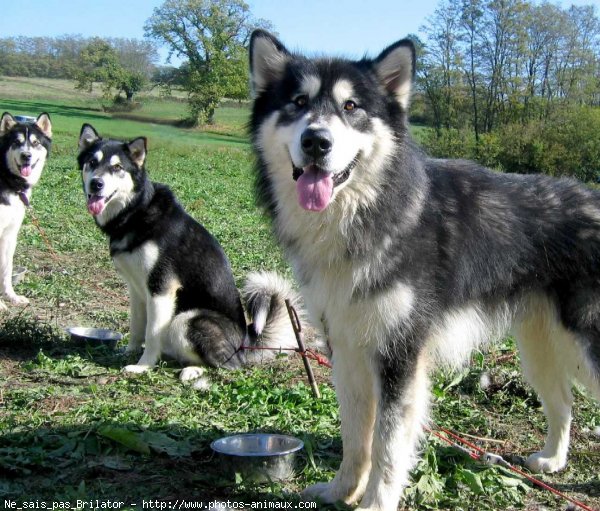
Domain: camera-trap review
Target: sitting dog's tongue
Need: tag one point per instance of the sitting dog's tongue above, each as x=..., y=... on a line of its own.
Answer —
x=95, y=205
x=26, y=170
x=314, y=188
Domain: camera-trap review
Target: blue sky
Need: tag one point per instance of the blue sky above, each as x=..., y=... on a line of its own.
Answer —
x=342, y=27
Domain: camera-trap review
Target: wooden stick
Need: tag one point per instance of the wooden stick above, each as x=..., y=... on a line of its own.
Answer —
x=298, y=333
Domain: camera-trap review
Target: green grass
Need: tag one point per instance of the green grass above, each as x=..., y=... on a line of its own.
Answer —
x=72, y=426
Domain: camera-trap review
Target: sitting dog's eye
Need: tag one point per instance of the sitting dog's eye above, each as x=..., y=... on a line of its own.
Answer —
x=349, y=105
x=118, y=167
x=301, y=101
x=35, y=143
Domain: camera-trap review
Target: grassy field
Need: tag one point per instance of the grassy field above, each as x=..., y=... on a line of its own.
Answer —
x=73, y=427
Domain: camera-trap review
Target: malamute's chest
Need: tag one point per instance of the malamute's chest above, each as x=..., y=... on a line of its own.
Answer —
x=135, y=266
x=11, y=214
x=350, y=316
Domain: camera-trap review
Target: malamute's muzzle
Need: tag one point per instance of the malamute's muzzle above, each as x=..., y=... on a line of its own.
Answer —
x=96, y=201
x=314, y=183
x=25, y=166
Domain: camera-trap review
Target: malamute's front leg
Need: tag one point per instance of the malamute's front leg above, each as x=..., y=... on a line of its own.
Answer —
x=8, y=244
x=401, y=413
x=137, y=321
x=159, y=313
x=353, y=378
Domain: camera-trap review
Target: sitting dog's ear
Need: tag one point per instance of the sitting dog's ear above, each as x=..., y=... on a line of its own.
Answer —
x=395, y=68
x=137, y=151
x=87, y=137
x=268, y=58
x=6, y=123
x=44, y=124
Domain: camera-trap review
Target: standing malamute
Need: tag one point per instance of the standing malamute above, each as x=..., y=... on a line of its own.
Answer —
x=184, y=302
x=406, y=261
x=24, y=148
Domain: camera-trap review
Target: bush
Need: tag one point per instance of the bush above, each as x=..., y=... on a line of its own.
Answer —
x=567, y=143
x=450, y=143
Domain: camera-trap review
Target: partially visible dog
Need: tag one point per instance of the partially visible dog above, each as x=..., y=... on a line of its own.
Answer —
x=408, y=262
x=24, y=148
x=183, y=298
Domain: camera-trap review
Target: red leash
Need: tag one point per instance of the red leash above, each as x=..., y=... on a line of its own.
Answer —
x=493, y=459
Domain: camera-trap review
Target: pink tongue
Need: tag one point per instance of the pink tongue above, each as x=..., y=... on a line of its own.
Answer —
x=95, y=205
x=26, y=170
x=315, y=189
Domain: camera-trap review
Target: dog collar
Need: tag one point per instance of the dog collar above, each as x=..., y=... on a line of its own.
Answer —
x=24, y=199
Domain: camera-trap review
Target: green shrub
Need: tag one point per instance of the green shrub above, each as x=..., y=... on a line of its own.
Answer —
x=567, y=143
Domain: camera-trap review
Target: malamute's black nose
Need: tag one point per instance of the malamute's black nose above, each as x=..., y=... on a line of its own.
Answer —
x=316, y=142
x=25, y=156
x=96, y=185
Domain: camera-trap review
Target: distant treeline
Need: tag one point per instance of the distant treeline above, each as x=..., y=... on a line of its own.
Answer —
x=60, y=57
x=514, y=84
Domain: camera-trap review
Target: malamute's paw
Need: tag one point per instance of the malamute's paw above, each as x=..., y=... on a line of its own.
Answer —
x=540, y=462
x=328, y=493
x=195, y=375
x=190, y=373
x=18, y=299
x=136, y=369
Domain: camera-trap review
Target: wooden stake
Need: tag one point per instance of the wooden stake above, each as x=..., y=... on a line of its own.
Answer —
x=298, y=333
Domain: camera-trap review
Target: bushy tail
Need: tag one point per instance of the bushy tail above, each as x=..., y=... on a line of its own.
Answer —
x=264, y=295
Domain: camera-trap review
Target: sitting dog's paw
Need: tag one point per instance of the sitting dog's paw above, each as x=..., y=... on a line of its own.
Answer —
x=18, y=299
x=191, y=373
x=541, y=463
x=195, y=376
x=136, y=369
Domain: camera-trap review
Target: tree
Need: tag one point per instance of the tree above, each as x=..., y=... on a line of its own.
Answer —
x=440, y=72
x=212, y=35
x=99, y=62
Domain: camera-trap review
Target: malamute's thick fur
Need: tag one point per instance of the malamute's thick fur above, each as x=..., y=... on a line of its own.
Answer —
x=24, y=148
x=407, y=261
x=183, y=298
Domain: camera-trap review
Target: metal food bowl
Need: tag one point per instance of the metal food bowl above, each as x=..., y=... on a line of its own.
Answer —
x=18, y=275
x=258, y=457
x=85, y=336
x=25, y=118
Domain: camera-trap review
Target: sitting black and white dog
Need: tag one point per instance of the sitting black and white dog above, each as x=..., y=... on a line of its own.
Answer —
x=184, y=301
x=24, y=148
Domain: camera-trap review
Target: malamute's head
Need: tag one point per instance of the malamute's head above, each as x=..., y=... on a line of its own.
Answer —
x=327, y=124
x=25, y=146
x=112, y=172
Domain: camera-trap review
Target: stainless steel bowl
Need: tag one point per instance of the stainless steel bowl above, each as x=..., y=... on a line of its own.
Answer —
x=18, y=275
x=258, y=457
x=94, y=336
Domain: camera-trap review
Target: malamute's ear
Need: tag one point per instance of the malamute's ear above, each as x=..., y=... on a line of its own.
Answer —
x=137, y=151
x=395, y=67
x=268, y=58
x=44, y=124
x=87, y=137
x=6, y=123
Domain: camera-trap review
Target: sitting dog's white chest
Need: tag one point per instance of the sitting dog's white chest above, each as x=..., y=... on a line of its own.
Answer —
x=11, y=214
x=135, y=266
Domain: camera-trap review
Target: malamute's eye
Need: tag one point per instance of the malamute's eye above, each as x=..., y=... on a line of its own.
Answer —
x=118, y=167
x=349, y=105
x=35, y=143
x=301, y=101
